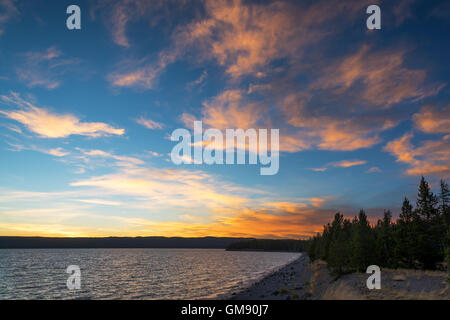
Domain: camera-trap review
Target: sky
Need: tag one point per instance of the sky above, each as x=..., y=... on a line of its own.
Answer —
x=86, y=115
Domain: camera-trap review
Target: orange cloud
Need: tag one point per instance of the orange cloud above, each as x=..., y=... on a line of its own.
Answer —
x=348, y=163
x=431, y=158
x=149, y=123
x=340, y=132
x=247, y=223
x=142, y=76
x=232, y=109
x=336, y=135
x=229, y=110
x=246, y=37
x=431, y=120
x=243, y=37
x=386, y=81
x=341, y=164
x=270, y=220
x=229, y=209
x=294, y=142
x=145, y=78
x=51, y=125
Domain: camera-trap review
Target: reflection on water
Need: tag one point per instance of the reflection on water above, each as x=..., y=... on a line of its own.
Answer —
x=133, y=273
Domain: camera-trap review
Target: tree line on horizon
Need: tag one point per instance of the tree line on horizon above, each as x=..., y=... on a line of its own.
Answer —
x=269, y=245
x=418, y=239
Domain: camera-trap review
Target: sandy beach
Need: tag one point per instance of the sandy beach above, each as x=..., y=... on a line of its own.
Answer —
x=302, y=280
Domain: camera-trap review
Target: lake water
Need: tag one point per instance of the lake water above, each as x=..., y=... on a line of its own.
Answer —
x=133, y=273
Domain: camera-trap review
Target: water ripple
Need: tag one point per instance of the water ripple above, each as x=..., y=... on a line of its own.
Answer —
x=133, y=273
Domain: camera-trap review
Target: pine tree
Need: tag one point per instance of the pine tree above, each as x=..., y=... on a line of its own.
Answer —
x=429, y=231
x=444, y=197
x=426, y=201
x=419, y=238
x=406, y=216
x=447, y=250
x=385, y=241
x=363, y=243
x=406, y=236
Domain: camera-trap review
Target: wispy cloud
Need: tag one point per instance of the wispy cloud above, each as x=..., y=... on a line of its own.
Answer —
x=386, y=80
x=8, y=12
x=199, y=82
x=374, y=170
x=56, y=152
x=119, y=14
x=245, y=37
x=48, y=124
x=242, y=37
x=100, y=202
x=122, y=161
x=166, y=187
x=432, y=157
x=229, y=109
x=348, y=163
x=433, y=120
x=341, y=164
x=149, y=123
x=143, y=75
x=44, y=68
x=231, y=216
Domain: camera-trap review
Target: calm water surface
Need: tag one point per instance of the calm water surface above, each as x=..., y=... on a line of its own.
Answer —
x=133, y=273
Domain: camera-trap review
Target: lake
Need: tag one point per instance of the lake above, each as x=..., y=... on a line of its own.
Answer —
x=133, y=273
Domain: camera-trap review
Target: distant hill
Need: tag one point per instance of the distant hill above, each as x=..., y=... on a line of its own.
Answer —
x=118, y=242
x=269, y=245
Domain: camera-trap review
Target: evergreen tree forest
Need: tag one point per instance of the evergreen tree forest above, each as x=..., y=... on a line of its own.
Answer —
x=418, y=239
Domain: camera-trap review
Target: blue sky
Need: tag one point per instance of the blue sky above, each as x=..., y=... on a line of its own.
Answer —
x=85, y=115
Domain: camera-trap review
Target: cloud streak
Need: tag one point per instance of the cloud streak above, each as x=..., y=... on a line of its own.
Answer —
x=149, y=123
x=432, y=120
x=44, y=68
x=431, y=158
x=48, y=124
x=8, y=12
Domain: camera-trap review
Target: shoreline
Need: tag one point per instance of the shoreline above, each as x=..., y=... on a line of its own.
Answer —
x=290, y=278
x=302, y=280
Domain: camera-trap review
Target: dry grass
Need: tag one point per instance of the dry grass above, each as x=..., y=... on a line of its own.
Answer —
x=395, y=294
x=412, y=273
x=340, y=291
x=317, y=267
x=400, y=284
x=399, y=277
